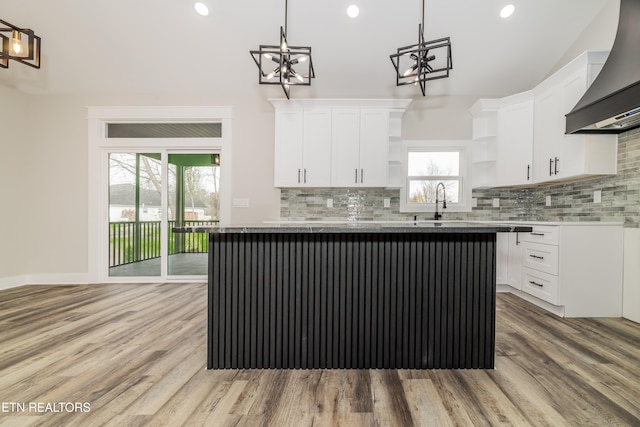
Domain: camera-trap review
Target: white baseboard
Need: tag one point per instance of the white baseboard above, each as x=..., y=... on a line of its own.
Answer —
x=13, y=282
x=43, y=279
x=58, y=279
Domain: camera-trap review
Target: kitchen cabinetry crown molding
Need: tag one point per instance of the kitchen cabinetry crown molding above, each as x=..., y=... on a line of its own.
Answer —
x=586, y=59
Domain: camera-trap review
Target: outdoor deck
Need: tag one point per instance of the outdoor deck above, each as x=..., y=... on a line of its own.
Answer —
x=184, y=264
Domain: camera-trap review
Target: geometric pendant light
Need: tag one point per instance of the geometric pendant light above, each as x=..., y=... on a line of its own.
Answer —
x=284, y=65
x=426, y=60
x=18, y=44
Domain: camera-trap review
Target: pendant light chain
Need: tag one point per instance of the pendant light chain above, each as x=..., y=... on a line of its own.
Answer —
x=286, y=13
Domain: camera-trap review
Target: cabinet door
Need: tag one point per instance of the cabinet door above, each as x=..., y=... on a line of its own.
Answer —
x=547, y=133
x=288, y=149
x=502, y=257
x=316, y=151
x=514, y=271
x=572, y=150
x=345, y=147
x=374, y=148
x=515, y=144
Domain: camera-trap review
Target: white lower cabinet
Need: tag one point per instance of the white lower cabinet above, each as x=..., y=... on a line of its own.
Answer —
x=576, y=269
x=514, y=263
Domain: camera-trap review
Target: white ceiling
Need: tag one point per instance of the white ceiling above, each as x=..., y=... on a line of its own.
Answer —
x=164, y=47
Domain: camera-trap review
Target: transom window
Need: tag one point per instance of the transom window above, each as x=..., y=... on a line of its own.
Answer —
x=435, y=171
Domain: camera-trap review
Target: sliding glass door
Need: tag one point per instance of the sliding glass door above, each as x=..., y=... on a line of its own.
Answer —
x=149, y=195
x=193, y=189
x=135, y=194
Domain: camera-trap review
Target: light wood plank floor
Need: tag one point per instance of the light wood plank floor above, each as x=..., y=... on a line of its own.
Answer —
x=135, y=354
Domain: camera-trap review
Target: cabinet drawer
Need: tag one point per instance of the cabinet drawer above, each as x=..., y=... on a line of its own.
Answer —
x=543, y=234
x=540, y=285
x=541, y=257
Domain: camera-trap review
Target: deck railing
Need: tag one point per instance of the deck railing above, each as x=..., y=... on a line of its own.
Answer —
x=139, y=241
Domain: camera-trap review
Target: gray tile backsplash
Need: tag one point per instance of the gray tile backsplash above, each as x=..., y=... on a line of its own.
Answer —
x=570, y=201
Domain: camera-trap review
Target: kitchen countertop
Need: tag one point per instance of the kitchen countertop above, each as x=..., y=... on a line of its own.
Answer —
x=364, y=227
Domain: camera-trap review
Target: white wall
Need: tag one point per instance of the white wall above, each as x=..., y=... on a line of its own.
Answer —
x=15, y=164
x=599, y=35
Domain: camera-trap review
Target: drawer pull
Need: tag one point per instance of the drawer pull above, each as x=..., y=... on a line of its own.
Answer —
x=536, y=284
x=537, y=234
x=536, y=256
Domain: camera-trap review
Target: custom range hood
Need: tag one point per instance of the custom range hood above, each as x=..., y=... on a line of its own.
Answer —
x=612, y=103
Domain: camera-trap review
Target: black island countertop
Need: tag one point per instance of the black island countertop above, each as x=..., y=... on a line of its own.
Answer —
x=362, y=227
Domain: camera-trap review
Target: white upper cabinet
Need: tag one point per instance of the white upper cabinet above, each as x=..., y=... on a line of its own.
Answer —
x=333, y=143
x=360, y=148
x=288, y=151
x=345, y=153
x=374, y=148
x=316, y=151
x=303, y=151
x=530, y=145
x=558, y=156
x=515, y=140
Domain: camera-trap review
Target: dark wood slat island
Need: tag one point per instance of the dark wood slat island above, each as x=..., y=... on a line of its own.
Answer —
x=352, y=296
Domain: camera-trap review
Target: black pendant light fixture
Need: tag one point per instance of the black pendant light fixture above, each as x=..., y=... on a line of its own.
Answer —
x=423, y=61
x=18, y=44
x=284, y=65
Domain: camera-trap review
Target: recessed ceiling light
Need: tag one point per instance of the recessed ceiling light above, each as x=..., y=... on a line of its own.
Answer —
x=353, y=11
x=202, y=9
x=507, y=11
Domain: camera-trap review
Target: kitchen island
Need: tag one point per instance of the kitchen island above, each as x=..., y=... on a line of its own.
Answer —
x=355, y=296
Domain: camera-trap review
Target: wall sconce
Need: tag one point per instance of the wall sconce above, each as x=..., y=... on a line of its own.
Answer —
x=418, y=63
x=276, y=63
x=18, y=44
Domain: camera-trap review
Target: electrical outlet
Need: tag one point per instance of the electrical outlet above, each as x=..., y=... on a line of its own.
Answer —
x=387, y=203
x=496, y=203
x=240, y=203
x=597, y=196
x=548, y=201
x=474, y=202
x=329, y=203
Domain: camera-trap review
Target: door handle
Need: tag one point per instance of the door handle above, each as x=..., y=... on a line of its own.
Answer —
x=361, y=176
x=550, y=167
x=528, y=172
x=298, y=176
x=305, y=175
x=356, y=175
x=556, y=165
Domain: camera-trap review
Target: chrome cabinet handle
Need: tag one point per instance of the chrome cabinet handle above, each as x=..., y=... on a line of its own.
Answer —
x=356, y=169
x=555, y=167
x=305, y=175
x=361, y=176
x=537, y=234
x=298, y=176
x=550, y=166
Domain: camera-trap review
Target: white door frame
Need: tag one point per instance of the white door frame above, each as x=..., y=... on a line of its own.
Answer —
x=99, y=146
